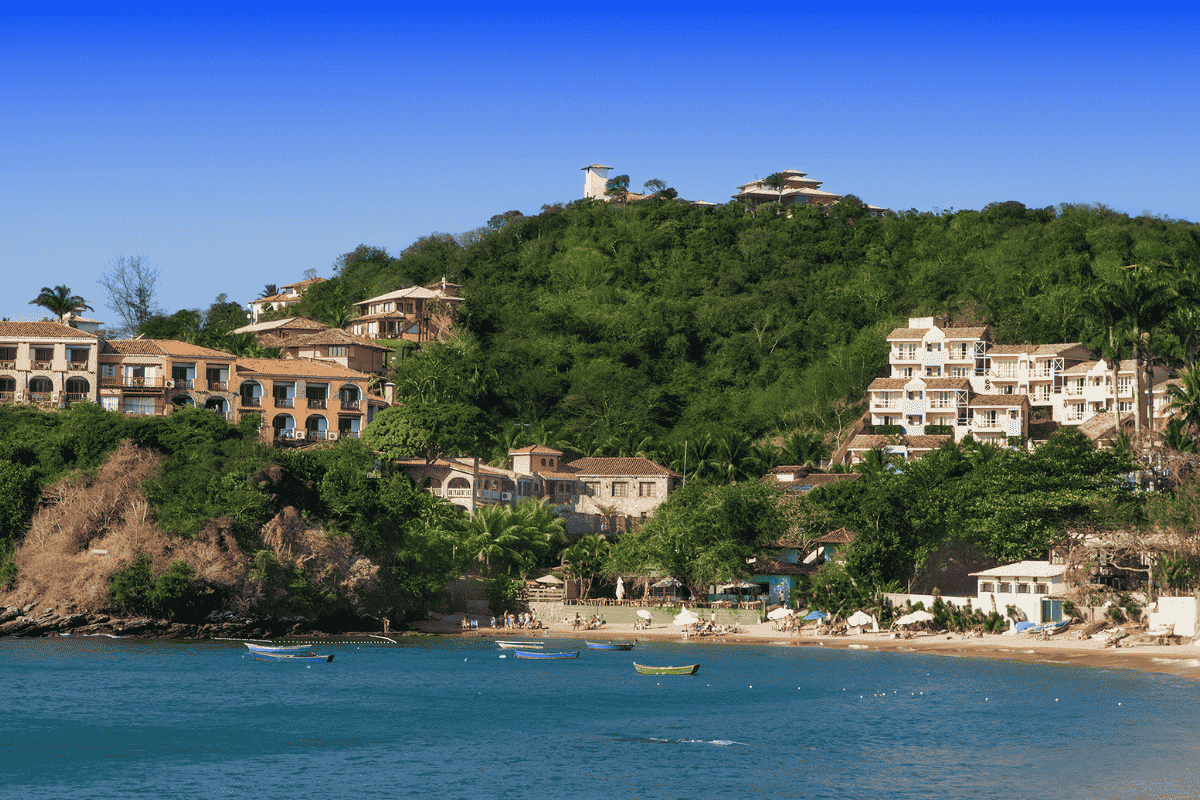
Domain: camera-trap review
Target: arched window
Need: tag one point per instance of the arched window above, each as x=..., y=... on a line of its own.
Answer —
x=251, y=394
x=76, y=389
x=316, y=426
x=458, y=487
x=40, y=389
x=216, y=404
x=283, y=425
x=543, y=462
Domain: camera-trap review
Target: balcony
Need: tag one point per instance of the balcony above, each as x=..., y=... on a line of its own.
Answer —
x=316, y=436
x=985, y=423
x=8, y=397
x=458, y=493
x=350, y=405
x=41, y=397
x=78, y=366
x=183, y=383
x=8, y=365
x=131, y=382
x=251, y=401
x=218, y=386
x=348, y=434
x=41, y=365
x=74, y=397
x=285, y=402
x=317, y=402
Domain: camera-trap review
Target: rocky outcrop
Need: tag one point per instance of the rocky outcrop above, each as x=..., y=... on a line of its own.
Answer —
x=31, y=622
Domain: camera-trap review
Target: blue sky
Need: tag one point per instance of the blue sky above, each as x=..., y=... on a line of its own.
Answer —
x=235, y=150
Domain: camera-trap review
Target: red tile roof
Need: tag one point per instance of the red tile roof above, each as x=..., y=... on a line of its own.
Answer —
x=620, y=467
x=42, y=330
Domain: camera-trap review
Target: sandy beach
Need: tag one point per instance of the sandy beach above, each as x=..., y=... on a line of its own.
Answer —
x=1179, y=660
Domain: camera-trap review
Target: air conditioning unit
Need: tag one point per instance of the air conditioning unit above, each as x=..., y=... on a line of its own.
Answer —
x=19, y=396
x=170, y=384
x=332, y=436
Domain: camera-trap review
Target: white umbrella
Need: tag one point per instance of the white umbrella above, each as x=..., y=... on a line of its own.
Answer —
x=859, y=618
x=686, y=617
x=738, y=585
x=643, y=613
x=779, y=613
x=548, y=579
x=921, y=616
x=620, y=588
x=905, y=620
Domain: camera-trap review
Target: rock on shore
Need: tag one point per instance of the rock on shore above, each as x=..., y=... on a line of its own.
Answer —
x=31, y=622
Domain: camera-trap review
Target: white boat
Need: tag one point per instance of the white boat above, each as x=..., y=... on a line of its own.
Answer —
x=521, y=645
x=271, y=648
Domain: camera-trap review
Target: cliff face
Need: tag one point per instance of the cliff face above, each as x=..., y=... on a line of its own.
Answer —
x=90, y=528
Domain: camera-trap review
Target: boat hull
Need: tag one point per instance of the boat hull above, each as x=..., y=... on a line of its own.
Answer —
x=521, y=645
x=270, y=648
x=292, y=658
x=690, y=669
x=609, y=645
x=545, y=656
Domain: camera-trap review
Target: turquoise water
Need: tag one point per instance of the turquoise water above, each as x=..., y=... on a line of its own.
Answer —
x=103, y=718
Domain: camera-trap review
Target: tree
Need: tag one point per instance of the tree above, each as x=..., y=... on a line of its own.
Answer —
x=269, y=290
x=654, y=186
x=586, y=559
x=778, y=182
x=130, y=283
x=426, y=430
x=617, y=188
x=59, y=301
x=1185, y=399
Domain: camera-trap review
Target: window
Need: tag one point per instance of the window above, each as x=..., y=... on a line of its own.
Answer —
x=958, y=372
x=1022, y=588
x=987, y=586
x=543, y=462
x=110, y=403
x=1041, y=588
x=620, y=489
x=552, y=462
x=916, y=395
x=912, y=420
x=646, y=489
x=933, y=347
x=906, y=372
x=1005, y=588
x=933, y=372
x=337, y=351
x=592, y=488
x=108, y=370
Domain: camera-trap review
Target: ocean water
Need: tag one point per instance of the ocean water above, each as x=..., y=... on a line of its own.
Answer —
x=104, y=718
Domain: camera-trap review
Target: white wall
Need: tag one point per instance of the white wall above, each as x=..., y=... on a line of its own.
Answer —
x=1177, y=611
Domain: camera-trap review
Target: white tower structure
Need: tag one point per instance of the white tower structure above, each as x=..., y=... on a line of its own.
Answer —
x=595, y=176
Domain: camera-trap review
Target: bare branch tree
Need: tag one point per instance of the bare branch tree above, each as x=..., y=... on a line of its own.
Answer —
x=130, y=283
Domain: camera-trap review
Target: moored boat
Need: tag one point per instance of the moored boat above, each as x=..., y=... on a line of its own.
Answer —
x=610, y=645
x=523, y=654
x=520, y=645
x=690, y=669
x=293, y=658
x=271, y=648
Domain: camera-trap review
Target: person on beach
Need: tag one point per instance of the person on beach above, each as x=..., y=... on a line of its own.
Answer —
x=387, y=625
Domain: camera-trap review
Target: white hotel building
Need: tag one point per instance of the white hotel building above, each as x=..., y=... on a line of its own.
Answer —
x=947, y=382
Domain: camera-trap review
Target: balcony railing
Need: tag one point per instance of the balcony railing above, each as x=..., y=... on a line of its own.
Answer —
x=348, y=434
x=131, y=382
x=42, y=364
x=251, y=401
x=888, y=405
x=183, y=383
x=350, y=405
x=316, y=436
x=285, y=402
x=8, y=365
x=79, y=366
x=8, y=397
x=218, y=386
x=458, y=493
x=74, y=397
x=41, y=397
x=316, y=402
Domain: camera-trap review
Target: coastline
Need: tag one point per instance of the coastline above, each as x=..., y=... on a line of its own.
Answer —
x=1181, y=661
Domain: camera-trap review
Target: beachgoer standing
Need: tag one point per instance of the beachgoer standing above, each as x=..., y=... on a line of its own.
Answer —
x=387, y=624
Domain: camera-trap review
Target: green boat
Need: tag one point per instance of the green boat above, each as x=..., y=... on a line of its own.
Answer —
x=691, y=669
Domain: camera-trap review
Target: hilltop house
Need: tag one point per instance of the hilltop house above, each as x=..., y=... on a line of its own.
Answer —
x=1027, y=585
x=416, y=314
x=48, y=364
x=289, y=295
x=270, y=334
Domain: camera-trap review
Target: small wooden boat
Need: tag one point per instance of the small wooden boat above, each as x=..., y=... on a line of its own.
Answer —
x=610, y=645
x=521, y=645
x=271, y=648
x=1059, y=627
x=523, y=654
x=293, y=658
x=691, y=669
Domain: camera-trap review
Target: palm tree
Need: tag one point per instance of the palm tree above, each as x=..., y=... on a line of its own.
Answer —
x=270, y=290
x=1185, y=400
x=585, y=559
x=805, y=449
x=876, y=464
x=59, y=301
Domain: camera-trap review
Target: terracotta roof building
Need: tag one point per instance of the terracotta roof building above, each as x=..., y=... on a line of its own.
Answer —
x=48, y=364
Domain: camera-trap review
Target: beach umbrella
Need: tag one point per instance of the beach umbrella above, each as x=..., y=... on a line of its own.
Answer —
x=859, y=618
x=666, y=583
x=548, y=579
x=779, y=613
x=815, y=615
x=921, y=616
x=738, y=585
x=643, y=613
x=686, y=617
x=620, y=588
x=907, y=619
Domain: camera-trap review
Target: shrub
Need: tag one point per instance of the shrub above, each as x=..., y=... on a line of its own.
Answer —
x=1115, y=614
x=501, y=593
